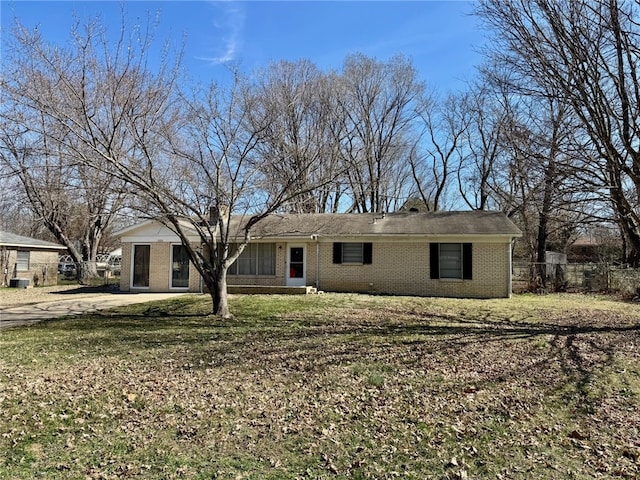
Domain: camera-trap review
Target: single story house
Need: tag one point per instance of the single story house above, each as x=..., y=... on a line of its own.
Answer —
x=594, y=249
x=452, y=254
x=28, y=259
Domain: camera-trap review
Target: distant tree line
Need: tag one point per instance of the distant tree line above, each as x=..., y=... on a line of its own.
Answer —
x=94, y=132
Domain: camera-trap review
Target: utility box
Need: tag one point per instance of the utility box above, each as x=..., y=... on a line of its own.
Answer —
x=19, y=283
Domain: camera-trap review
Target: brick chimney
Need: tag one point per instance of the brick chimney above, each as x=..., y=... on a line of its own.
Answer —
x=215, y=212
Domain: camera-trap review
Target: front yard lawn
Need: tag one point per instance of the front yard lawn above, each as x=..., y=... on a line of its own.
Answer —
x=327, y=386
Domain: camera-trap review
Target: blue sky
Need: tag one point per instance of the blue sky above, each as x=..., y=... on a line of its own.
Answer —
x=440, y=37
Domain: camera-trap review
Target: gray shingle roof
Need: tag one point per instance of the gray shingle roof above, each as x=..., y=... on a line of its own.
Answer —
x=8, y=239
x=391, y=224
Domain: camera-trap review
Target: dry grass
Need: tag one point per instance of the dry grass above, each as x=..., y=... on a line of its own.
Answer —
x=331, y=386
x=14, y=297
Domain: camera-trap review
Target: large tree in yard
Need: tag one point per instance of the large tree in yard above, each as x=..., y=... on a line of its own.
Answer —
x=586, y=53
x=198, y=163
x=211, y=168
x=48, y=93
x=189, y=156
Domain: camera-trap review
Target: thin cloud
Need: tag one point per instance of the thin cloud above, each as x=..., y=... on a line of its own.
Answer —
x=228, y=27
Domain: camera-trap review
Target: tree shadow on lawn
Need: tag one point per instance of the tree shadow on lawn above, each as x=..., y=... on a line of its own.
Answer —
x=451, y=329
x=470, y=355
x=514, y=363
x=81, y=289
x=499, y=350
x=578, y=349
x=573, y=345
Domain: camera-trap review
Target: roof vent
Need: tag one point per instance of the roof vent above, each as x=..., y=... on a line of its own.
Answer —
x=375, y=219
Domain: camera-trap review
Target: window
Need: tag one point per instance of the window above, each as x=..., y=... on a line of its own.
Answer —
x=141, y=260
x=451, y=260
x=179, y=267
x=255, y=259
x=266, y=258
x=22, y=261
x=352, y=252
x=246, y=262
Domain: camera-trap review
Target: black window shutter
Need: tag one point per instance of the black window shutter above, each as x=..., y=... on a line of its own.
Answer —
x=367, y=253
x=337, y=252
x=467, y=261
x=434, y=257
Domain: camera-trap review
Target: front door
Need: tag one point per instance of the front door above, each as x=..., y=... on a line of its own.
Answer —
x=296, y=266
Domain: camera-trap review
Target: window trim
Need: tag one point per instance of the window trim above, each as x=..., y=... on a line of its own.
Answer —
x=466, y=260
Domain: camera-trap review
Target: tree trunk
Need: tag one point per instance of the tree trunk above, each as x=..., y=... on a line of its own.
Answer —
x=626, y=217
x=543, y=223
x=630, y=238
x=86, y=271
x=218, y=291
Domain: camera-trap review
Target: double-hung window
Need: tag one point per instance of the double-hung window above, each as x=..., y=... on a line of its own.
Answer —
x=22, y=261
x=451, y=260
x=353, y=252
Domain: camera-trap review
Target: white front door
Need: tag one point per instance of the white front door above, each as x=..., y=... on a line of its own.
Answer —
x=296, y=265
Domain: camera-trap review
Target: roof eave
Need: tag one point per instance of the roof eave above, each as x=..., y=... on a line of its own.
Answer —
x=388, y=236
x=33, y=246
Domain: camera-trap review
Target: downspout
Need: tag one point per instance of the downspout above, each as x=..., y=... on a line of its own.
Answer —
x=510, y=272
x=201, y=282
x=315, y=237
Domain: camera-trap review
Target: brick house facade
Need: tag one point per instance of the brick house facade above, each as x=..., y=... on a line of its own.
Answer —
x=28, y=258
x=451, y=254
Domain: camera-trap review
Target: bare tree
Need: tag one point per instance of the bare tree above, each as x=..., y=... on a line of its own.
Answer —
x=539, y=179
x=204, y=166
x=47, y=93
x=190, y=158
x=542, y=170
x=443, y=125
x=17, y=216
x=298, y=100
x=586, y=52
x=481, y=145
x=377, y=112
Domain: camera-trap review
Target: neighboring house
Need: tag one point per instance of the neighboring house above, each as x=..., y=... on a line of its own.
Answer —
x=453, y=254
x=594, y=249
x=28, y=258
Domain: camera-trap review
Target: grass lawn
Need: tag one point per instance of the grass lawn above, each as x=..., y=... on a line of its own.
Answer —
x=327, y=386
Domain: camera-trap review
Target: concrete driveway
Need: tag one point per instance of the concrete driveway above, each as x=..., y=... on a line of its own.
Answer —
x=14, y=316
